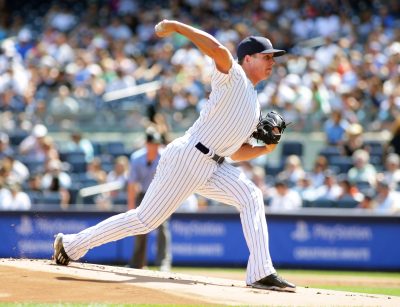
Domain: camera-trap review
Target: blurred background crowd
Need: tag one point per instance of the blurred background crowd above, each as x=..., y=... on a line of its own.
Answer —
x=61, y=60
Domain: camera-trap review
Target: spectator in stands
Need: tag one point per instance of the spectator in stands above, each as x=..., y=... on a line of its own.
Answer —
x=119, y=174
x=10, y=100
x=62, y=51
x=368, y=201
x=349, y=190
x=392, y=170
x=79, y=143
x=362, y=169
x=354, y=139
x=338, y=63
x=25, y=42
x=16, y=172
x=389, y=110
x=61, y=18
x=394, y=144
x=258, y=177
x=3, y=189
x=35, y=182
x=31, y=146
x=5, y=149
x=64, y=106
x=95, y=171
x=122, y=80
x=306, y=188
x=284, y=198
x=293, y=170
x=330, y=190
x=57, y=180
x=335, y=128
x=12, y=198
x=317, y=174
x=49, y=149
x=387, y=200
x=118, y=30
x=120, y=171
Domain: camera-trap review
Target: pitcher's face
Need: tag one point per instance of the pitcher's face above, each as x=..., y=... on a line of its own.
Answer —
x=262, y=65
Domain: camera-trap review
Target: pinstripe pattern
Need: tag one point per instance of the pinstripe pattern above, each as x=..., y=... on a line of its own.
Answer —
x=231, y=114
x=174, y=181
x=225, y=123
x=231, y=186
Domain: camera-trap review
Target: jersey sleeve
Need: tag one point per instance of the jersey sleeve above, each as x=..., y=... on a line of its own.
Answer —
x=218, y=78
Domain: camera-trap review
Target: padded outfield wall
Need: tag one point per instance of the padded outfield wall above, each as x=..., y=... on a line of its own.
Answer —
x=308, y=238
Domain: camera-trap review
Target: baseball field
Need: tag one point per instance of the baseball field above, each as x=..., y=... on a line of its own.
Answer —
x=28, y=282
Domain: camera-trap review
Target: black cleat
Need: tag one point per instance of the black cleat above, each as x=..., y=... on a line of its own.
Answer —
x=60, y=256
x=274, y=282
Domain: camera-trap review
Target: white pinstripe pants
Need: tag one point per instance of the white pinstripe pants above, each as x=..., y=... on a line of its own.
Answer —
x=182, y=171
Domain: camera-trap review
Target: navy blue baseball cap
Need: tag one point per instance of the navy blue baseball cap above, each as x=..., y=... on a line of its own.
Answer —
x=256, y=44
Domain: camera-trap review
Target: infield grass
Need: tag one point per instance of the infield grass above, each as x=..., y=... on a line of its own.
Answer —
x=385, y=283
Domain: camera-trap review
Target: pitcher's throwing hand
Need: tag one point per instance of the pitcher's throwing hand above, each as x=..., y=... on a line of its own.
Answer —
x=164, y=28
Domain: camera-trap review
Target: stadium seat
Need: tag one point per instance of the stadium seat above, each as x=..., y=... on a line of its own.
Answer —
x=89, y=200
x=120, y=199
x=376, y=161
x=50, y=198
x=76, y=159
x=72, y=155
x=347, y=203
x=330, y=151
x=363, y=185
x=85, y=181
x=323, y=203
x=292, y=148
x=73, y=192
x=34, y=196
x=272, y=170
x=342, y=163
x=115, y=148
x=375, y=147
x=107, y=166
x=33, y=165
x=97, y=148
x=307, y=203
x=17, y=137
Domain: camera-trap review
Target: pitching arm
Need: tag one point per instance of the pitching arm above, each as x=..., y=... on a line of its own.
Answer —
x=208, y=44
x=248, y=152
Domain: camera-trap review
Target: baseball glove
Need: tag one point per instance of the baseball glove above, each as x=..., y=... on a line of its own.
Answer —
x=265, y=128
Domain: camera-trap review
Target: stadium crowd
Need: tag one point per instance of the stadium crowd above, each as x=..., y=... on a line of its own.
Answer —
x=58, y=60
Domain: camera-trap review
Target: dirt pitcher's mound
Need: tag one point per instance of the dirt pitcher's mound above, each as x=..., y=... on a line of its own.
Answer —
x=42, y=281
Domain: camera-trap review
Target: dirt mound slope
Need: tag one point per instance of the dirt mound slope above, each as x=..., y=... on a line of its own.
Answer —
x=28, y=280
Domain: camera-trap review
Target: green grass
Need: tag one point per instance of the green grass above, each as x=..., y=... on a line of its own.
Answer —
x=361, y=289
x=384, y=290
x=394, y=275
x=390, y=276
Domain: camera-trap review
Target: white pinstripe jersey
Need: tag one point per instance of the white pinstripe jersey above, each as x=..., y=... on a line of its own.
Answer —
x=231, y=114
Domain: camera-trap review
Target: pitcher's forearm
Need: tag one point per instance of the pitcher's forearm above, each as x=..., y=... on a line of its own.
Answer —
x=206, y=43
x=249, y=152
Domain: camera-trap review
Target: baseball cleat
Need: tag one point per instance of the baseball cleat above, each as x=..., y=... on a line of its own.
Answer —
x=60, y=256
x=274, y=282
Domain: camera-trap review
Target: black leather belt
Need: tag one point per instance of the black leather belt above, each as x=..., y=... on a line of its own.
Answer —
x=205, y=151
